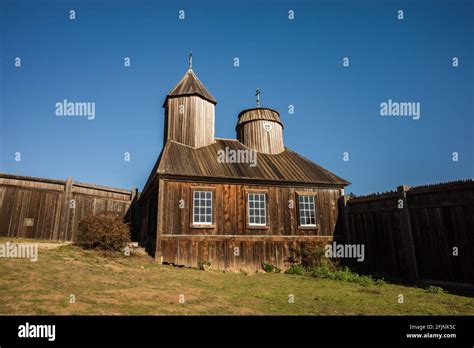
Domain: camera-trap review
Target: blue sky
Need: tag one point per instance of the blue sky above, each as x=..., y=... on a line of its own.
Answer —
x=296, y=62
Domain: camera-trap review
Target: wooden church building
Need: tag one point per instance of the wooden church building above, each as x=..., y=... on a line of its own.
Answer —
x=201, y=204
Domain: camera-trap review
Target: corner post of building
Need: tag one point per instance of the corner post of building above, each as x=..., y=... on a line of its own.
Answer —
x=408, y=245
x=133, y=194
x=133, y=204
x=65, y=212
x=159, y=224
x=132, y=213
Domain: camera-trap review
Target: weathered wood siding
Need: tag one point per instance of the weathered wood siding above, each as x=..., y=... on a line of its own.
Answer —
x=190, y=121
x=55, y=206
x=417, y=239
x=221, y=251
x=148, y=217
x=253, y=135
x=181, y=243
x=442, y=217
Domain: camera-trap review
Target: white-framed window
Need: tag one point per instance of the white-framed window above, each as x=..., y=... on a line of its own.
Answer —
x=307, y=210
x=202, y=207
x=257, y=209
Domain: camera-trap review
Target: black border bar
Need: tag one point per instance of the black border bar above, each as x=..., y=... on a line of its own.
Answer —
x=224, y=330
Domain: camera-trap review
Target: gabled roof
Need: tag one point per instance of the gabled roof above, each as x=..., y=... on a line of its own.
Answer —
x=184, y=161
x=190, y=85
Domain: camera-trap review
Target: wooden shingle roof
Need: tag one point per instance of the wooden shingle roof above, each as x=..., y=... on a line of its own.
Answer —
x=181, y=160
x=190, y=85
x=258, y=114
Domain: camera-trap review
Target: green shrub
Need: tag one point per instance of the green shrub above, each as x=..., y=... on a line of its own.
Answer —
x=104, y=232
x=380, y=281
x=270, y=268
x=321, y=272
x=435, y=290
x=310, y=259
x=345, y=274
x=311, y=256
x=296, y=269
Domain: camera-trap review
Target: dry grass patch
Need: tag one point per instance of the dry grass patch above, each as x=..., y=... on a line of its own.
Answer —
x=105, y=283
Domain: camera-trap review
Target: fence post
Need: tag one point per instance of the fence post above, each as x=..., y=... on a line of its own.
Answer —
x=65, y=211
x=408, y=245
x=347, y=227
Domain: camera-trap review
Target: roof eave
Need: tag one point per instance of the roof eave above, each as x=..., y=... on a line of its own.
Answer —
x=171, y=96
x=245, y=179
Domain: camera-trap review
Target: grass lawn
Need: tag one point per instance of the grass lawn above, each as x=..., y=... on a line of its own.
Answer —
x=137, y=285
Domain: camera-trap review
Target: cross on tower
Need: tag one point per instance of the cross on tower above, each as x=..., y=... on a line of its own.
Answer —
x=257, y=94
x=190, y=60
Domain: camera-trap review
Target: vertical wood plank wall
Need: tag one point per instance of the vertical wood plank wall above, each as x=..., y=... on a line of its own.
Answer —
x=148, y=217
x=190, y=121
x=440, y=217
x=253, y=135
x=48, y=203
x=183, y=244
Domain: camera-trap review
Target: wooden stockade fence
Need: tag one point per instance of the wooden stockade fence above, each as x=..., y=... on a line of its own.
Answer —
x=52, y=209
x=424, y=232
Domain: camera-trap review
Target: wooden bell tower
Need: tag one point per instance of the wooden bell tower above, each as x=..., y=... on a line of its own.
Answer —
x=190, y=112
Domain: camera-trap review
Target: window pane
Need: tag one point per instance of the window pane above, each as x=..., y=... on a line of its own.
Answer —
x=307, y=210
x=256, y=208
x=202, y=212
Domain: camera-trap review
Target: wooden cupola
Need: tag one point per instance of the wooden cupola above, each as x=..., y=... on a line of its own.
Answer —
x=190, y=112
x=261, y=129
